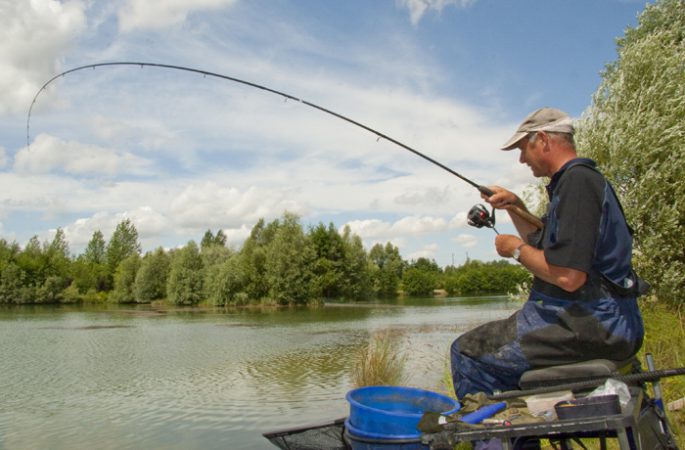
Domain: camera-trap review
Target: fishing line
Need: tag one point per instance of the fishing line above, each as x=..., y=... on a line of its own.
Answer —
x=483, y=189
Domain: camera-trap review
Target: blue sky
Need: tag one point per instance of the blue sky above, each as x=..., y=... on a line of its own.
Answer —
x=178, y=153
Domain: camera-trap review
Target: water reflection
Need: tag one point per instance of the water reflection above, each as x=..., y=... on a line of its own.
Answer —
x=144, y=377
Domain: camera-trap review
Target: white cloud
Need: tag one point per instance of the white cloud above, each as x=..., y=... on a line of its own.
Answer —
x=466, y=240
x=414, y=225
x=458, y=221
x=148, y=222
x=369, y=229
x=417, y=8
x=49, y=153
x=33, y=38
x=237, y=236
x=210, y=204
x=3, y=157
x=411, y=225
x=162, y=13
x=427, y=251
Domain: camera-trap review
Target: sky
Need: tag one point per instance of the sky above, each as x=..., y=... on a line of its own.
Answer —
x=179, y=153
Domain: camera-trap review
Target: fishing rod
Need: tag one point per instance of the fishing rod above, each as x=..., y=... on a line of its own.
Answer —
x=531, y=219
x=591, y=382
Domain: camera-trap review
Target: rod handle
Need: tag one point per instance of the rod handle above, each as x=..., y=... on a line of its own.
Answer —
x=523, y=214
x=528, y=217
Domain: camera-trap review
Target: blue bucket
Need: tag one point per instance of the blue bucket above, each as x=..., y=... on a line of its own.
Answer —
x=393, y=412
x=360, y=440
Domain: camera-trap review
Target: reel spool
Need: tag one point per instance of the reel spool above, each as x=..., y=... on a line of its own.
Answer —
x=479, y=217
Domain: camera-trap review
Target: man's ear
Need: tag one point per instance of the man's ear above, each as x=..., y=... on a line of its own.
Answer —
x=544, y=138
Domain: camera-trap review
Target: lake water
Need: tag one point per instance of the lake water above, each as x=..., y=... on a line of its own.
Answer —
x=118, y=377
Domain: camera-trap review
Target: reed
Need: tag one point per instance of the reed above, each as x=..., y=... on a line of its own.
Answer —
x=380, y=361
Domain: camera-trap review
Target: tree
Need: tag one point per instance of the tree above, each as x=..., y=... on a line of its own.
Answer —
x=95, y=251
x=289, y=258
x=388, y=269
x=421, y=277
x=417, y=282
x=151, y=279
x=30, y=261
x=11, y=276
x=253, y=258
x=13, y=285
x=207, y=239
x=122, y=244
x=635, y=130
x=329, y=259
x=90, y=268
x=356, y=277
x=124, y=280
x=184, y=286
x=478, y=278
x=213, y=258
x=8, y=253
x=226, y=283
x=58, y=259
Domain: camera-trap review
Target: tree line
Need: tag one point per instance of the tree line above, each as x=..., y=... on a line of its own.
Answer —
x=279, y=263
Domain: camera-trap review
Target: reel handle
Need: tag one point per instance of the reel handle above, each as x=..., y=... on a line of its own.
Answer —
x=523, y=214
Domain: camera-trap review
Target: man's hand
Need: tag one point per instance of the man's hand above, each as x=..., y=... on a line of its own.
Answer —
x=502, y=198
x=506, y=244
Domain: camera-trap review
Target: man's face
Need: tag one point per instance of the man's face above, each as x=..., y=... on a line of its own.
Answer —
x=531, y=148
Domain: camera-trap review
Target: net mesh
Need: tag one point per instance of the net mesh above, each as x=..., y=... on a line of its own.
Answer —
x=327, y=436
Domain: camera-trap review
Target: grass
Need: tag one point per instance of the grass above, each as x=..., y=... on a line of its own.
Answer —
x=380, y=362
x=665, y=340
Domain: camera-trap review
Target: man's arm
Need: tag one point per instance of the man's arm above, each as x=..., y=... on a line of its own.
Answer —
x=534, y=260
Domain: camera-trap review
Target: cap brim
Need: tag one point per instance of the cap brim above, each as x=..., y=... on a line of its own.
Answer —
x=511, y=143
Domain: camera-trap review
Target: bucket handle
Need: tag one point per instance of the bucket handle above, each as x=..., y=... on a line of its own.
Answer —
x=452, y=411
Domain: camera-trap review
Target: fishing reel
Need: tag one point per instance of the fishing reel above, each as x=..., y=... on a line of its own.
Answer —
x=479, y=217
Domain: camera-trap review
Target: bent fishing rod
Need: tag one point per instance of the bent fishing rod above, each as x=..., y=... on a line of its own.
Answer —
x=525, y=215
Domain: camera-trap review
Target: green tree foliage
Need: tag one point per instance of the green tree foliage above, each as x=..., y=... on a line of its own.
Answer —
x=210, y=240
x=289, y=258
x=11, y=276
x=227, y=283
x=635, y=129
x=122, y=244
x=253, y=258
x=57, y=257
x=30, y=261
x=386, y=270
x=96, y=250
x=184, y=286
x=328, y=266
x=124, y=280
x=13, y=285
x=214, y=257
x=480, y=278
x=420, y=278
x=278, y=263
x=151, y=279
x=356, y=269
x=90, y=268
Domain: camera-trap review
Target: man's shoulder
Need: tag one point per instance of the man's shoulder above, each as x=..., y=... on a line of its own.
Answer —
x=585, y=173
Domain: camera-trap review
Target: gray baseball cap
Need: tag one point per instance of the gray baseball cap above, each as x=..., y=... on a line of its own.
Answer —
x=543, y=119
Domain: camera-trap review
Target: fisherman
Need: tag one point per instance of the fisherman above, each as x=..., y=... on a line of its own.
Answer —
x=582, y=304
